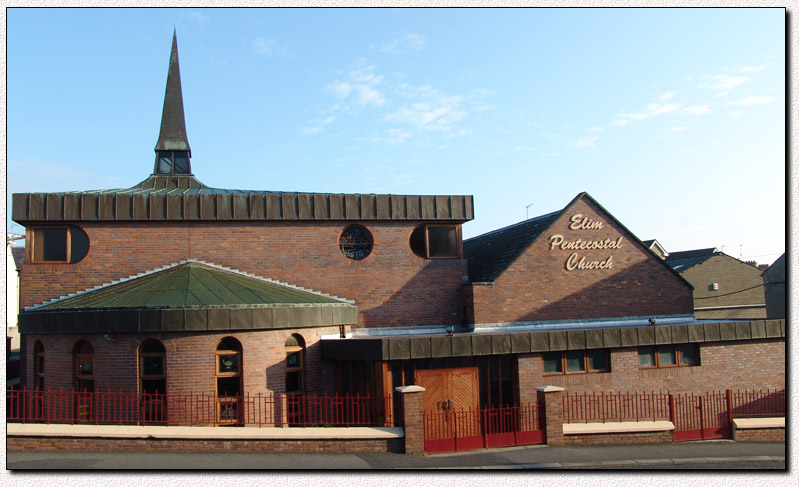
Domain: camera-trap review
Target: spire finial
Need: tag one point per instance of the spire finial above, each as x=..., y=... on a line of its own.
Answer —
x=173, y=152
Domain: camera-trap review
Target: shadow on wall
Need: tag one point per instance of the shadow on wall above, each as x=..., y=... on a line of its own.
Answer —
x=639, y=290
x=434, y=296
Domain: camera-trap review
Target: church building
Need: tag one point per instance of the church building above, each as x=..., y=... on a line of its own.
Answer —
x=173, y=286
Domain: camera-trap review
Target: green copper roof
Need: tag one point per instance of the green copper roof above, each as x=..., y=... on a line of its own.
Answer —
x=190, y=285
x=173, y=122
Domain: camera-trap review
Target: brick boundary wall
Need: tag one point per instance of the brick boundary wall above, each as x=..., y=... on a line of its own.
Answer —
x=759, y=435
x=619, y=438
x=39, y=443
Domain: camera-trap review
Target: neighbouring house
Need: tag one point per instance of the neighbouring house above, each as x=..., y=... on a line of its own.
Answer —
x=774, y=281
x=308, y=293
x=15, y=256
x=724, y=287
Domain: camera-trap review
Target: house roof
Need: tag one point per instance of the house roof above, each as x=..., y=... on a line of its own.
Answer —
x=681, y=261
x=19, y=256
x=488, y=255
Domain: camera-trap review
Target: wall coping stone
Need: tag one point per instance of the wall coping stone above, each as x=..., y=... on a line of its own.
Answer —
x=201, y=432
x=549, y=388
x=622, y=427
x=407, y=389
x=755, y=423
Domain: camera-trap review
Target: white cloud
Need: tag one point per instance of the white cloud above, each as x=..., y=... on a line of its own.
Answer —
x=433, y=114
x=263, y=46
x=595, y=129
x=697, y=110
x=678, y=129
x=667, y=96
x=586, y=141
x=722, y=82
x=318, y=125
x=652, y=110
x=753, y=100
x=360, y=88
x=408, y=42
x=754, y=69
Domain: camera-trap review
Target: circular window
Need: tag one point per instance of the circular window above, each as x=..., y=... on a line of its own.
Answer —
x=355, y=242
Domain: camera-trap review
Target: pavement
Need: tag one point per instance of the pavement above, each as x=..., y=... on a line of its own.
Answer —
x=725, y=454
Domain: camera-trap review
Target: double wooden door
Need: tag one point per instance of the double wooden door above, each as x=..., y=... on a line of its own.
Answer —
x=449, y=389
x=451, y=408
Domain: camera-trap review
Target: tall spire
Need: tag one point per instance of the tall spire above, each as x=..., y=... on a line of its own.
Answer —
x=172, y=149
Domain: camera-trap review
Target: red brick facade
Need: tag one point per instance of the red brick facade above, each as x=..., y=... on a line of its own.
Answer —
x=538, y=285
x=190, y=360
x=391, y=287
x=740, y=365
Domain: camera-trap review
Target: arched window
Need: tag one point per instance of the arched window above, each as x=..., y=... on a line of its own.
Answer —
x=38, y=365
x=84, y=380
x=228, y=380
x=84, y=366
x=295, y=363
x=152, y=379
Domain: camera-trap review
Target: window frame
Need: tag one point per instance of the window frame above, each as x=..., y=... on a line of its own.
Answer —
x=35, y=242
x=367, y=233
x=299, y=369
x=677, y=356
x=585, y=361
x=427, y=226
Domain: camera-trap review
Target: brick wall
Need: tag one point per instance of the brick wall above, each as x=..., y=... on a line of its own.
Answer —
x=756, y=364
x=756, y=435
x=190, y=360
x=391, y=287
x=22, y=443
x=538, y=285
x=620, y=438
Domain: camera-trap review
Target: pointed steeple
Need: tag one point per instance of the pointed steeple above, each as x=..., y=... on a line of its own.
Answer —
x=172, y=149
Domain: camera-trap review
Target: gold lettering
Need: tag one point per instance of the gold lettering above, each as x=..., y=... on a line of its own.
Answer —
x=555, y=241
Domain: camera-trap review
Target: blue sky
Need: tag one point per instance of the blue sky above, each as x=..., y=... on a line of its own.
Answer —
x=673, y=119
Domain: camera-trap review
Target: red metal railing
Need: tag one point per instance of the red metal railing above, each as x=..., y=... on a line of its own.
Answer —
x=757, y=404
x=346, y=410
x=194, y=409
x=615, y=407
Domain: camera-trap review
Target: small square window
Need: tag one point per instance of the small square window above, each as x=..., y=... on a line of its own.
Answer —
x=575, y=361
x=688, y=354
x=666, y=356
x=646, y=357
x=552, y=363
x=597, y=360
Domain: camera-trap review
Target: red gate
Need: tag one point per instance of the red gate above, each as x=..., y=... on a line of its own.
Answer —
x=701, y=416
x=452, y=430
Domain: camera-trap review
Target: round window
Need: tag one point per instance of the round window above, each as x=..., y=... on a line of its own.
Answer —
x=355, y=242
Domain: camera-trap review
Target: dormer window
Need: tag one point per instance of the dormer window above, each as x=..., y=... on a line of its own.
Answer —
x=172, y=162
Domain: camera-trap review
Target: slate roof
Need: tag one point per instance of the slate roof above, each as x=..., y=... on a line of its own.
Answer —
x=488, y=255
x=189, y=285
x=681, y=261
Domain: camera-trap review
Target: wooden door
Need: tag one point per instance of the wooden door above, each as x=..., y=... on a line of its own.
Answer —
x=449, y=389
